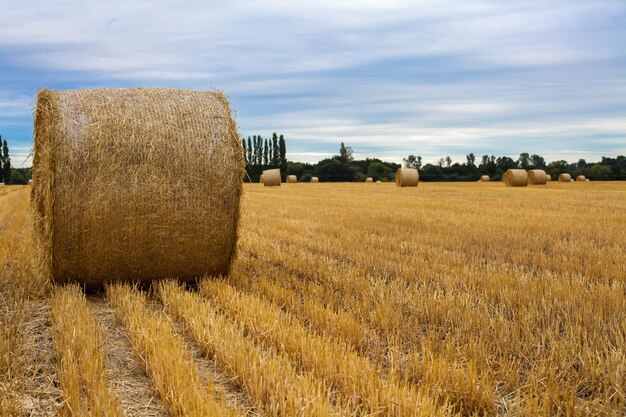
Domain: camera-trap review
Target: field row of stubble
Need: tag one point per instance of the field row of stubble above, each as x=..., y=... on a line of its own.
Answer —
x=344, y=299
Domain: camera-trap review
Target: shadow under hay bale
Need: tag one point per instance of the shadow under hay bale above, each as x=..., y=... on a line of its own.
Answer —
x=515, y=178
x=407, y=177
x=112, y=194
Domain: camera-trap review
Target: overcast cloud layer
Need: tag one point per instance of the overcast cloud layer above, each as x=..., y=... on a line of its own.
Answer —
x=389, y=78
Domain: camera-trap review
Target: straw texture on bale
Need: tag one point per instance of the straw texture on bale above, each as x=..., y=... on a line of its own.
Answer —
x=485, y=178
x=515, y=178
x=565, y=178
x=580, y=178
x=315, y=179
x=369, y=179
x=537, y=177
x=271, y=177
x=407, y=177
x=292, y=178
x=135, y=184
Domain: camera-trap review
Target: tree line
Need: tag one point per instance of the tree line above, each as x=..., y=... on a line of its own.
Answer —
x=470, y=170
x=263, y=153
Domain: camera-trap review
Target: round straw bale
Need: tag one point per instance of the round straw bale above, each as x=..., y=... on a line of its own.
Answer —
x=2, y=184
x=537, y=177
x=515, y=178
x=565, y=178
x=315, y=179
x=407, y=177
x=30, y=182
x=271, y=177
x=261, y=179
x=369, y=179
x=587, y=179
x=580, y=178
x=484, y=178
x=379, y=182
x=548, y=178
x=292, y=178
x=135, y=184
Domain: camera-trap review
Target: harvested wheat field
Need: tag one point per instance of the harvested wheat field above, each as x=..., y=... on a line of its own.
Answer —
x=446, y=299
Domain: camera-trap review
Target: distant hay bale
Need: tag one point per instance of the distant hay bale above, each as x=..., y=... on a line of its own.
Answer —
x=548, y=178
x=537, y=177
x=30, y=182
x=379, y=182
x=271, y=177
x=2, y=184
x=315, y=179
x=369, y=179
x=580, y=178
x=565, y=178
x=484, y=178
x=587, y=179
x=292, y=178
x=407, y=177
x=261, y=179
x=515, y=178
x=113, y=198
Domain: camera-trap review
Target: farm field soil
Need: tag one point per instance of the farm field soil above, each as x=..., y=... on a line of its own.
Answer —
x=344, y=299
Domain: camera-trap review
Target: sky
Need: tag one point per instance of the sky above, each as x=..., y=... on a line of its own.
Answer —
x=389, y=78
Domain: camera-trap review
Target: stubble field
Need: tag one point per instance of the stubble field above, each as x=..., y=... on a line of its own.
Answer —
x=344, y=299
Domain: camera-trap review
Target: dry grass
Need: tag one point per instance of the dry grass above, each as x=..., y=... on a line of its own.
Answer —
x=268, y=378
x=166, y=358
x=470, y=299
x=78, y=341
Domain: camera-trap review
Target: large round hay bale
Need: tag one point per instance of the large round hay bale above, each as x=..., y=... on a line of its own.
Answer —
x=565, y=178
x=515, y=178
x=537, y=177
x=580, y=178
x=407, y=177
x=292, y=179
x=135, y=184
x=369, y=179
x=271, y=177
x=315, y=179
x=484, y=178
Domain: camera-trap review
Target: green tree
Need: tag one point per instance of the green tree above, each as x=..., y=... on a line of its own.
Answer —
x=413, y=161
x=265, y=154
x=283, y=153
x=471, y=160
x=378, y=171
x=245, y=151
x=6, y=163
x=448, y=161
x=600, y=173
x=524, y=160
x=16, y=177
x=537, y=161
x=345, y=153
x=275, y=151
